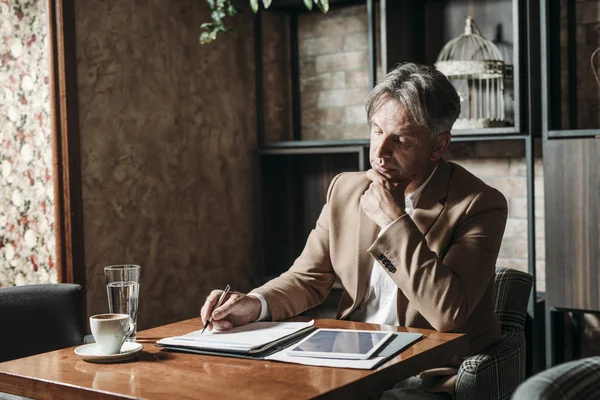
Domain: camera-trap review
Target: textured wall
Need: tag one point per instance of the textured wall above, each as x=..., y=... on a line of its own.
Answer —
x=276, y=59
x=27, y=245
x=168, y=144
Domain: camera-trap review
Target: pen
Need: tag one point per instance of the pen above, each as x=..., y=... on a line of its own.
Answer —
x=221, y=298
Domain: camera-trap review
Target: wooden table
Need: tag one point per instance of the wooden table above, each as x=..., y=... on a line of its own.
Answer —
x=159, y=374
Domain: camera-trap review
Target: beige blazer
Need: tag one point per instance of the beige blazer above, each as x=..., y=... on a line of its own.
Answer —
x=442, y=259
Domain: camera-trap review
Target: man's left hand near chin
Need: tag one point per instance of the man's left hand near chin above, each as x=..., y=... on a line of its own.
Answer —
x=383, y=202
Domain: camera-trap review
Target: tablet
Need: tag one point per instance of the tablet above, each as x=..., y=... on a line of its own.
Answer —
x=340, y=343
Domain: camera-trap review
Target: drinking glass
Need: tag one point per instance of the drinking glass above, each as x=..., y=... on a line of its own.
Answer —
x=123, y=289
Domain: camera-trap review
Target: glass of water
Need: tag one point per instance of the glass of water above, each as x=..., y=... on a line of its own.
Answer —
x=123, y=289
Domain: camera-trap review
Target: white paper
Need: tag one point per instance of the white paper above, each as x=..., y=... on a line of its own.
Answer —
x=239, y=338
x=325, y=362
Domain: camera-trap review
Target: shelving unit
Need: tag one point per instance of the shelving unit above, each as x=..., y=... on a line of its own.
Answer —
x=572, y=179
x=295, y=174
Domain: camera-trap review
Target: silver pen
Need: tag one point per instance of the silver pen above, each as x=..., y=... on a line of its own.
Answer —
x=219, y=302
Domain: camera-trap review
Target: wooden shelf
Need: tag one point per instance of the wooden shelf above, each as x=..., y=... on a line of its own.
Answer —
x=358, y=145
x=485, y=131
x=312, y=150
x=294, y=144
x=298, y=5
x=487, y=137
x=573, y=133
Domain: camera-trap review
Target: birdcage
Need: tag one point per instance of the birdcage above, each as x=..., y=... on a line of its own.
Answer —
x=475, y=67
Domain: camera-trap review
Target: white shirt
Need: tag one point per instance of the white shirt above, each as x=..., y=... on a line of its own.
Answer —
x=379, y=306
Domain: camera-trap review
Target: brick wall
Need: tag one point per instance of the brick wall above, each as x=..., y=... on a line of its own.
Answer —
x=334, y=84
x=334, y=80
x=502, y=165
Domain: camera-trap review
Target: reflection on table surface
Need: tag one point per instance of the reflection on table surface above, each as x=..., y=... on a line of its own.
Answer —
x=156, y=373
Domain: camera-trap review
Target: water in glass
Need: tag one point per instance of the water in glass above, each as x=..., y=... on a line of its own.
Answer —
x=123, y=299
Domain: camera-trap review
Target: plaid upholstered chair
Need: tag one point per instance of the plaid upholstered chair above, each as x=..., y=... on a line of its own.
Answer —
x=498, y=370
x=573, y=380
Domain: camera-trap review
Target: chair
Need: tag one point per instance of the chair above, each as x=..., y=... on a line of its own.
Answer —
x=497, y=371
x=39, y=318
x=573, y=380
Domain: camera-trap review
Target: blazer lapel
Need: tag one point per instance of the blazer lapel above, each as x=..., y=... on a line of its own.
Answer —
x=430, y=205
x=366, y=233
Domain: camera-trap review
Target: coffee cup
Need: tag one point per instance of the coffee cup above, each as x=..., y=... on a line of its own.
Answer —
x=110, y=331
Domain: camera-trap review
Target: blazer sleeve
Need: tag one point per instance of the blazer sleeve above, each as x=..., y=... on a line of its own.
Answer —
x=310, y=279
x=446, y=291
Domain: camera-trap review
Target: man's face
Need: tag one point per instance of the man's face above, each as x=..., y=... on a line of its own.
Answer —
x=401, y=150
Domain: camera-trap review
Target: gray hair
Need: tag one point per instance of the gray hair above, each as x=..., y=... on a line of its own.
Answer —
x=423, y=91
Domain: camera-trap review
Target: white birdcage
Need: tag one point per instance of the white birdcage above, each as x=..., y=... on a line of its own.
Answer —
x=475, y=67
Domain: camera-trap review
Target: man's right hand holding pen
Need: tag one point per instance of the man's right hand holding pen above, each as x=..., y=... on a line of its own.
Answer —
x=236, y=309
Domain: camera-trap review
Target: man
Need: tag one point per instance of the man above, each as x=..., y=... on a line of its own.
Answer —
x=414, y=240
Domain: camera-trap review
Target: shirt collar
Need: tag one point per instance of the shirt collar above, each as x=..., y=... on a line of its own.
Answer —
x=413, y=198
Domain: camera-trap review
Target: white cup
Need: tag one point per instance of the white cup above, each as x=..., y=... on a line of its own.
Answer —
x=110, y=331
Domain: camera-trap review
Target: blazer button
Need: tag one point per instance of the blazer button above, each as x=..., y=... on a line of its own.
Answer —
x=392, y=269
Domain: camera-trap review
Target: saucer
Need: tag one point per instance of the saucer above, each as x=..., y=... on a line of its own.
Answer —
x=89, y=352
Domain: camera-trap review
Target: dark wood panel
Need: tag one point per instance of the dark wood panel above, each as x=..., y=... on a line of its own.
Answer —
x=572, y=106
x=402, y=39
x=298, y=5
x=65, y=144
x=572, y=188
x=294, y=188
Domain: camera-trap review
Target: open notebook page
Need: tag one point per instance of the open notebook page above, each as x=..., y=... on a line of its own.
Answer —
x=255, y=335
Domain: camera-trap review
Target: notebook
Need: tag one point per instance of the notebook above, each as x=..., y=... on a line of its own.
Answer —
x=254, y=339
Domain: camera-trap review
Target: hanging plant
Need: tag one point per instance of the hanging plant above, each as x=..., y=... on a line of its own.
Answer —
x=223, y=8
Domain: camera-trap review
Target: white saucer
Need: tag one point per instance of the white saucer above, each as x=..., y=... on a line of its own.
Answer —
x=89, y=352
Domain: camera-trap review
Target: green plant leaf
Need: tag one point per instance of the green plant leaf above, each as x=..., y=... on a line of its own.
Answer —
x=219, y=10
x=205, y=38
x=254, y=5
x=308, y=4
x=231, y=10
x=217, y=16
x=267, y=3
x=323, y=5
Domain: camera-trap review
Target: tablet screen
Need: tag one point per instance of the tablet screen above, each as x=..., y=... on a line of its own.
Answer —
x=334, y=343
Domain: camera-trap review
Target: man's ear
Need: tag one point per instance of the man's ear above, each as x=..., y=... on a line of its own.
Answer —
x=441, y=144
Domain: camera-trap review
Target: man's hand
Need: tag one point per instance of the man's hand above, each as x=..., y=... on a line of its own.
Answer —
x=383, y=202
x=237, y=309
